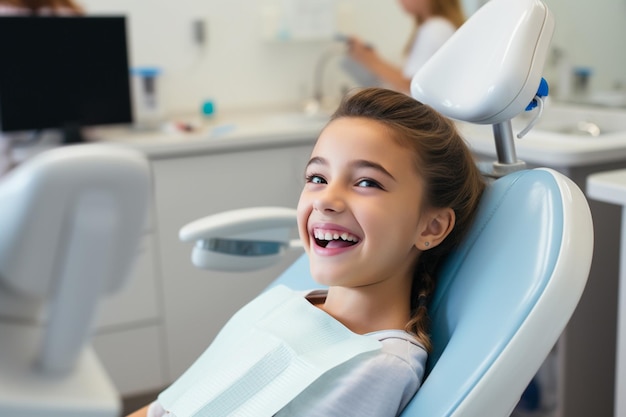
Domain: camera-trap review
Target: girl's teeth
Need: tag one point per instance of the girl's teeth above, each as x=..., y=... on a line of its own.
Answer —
x=334, y=236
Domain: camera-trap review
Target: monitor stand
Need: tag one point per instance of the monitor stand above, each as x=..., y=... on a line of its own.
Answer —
x=72, y=134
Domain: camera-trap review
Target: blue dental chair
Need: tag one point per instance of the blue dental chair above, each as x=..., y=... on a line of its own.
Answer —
x=503, y=297
x=506, y=294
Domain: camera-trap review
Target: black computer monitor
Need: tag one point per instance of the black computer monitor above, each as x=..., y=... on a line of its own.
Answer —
x=63, y=73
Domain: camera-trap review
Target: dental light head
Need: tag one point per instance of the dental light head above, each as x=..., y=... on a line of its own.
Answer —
x=241, y=240
x=490, y=69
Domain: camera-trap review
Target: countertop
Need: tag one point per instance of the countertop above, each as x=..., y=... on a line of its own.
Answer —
x=229, y=132
x=544, y=145
x=608, y=186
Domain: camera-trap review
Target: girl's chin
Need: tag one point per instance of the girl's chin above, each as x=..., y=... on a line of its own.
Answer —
x=327, y=279
x=322, y=277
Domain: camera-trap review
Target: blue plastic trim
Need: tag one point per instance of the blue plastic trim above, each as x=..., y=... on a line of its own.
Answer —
x=542, y=91
x=146, y=71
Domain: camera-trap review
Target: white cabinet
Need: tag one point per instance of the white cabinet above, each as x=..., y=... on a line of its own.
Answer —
x=137, y=302
x=133, y=357
x=197, y=303
x=129, y=328
x=610, y=187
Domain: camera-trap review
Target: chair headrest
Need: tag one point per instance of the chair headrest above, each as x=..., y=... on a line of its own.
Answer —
x=511, y=286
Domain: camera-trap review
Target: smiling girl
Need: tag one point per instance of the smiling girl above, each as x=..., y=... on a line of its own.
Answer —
x=394, y=178
x=391, y=188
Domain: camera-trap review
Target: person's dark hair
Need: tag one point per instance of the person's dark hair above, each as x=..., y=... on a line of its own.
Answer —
x=53, y=5
x=447, y=167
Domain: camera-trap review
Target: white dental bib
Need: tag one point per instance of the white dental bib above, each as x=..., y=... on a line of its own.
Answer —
x=267, y=353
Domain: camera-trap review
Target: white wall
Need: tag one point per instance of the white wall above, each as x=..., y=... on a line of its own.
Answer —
x=236, y=67
x=239, y=69
x=593, y=33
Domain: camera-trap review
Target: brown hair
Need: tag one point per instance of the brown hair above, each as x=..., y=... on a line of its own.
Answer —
x=54, y=5
x=450, y=9
x=447, y=167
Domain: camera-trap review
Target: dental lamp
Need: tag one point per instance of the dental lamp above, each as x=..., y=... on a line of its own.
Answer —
x=256, y=238
x=70, y=219
x=501, y=49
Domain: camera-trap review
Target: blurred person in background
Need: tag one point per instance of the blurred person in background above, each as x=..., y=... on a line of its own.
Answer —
x=435, y=22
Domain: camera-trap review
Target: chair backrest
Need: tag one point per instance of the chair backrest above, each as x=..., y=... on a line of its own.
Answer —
x=503, y=297
x=71, y=221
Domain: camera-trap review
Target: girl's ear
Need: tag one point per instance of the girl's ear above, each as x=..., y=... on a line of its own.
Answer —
x=437, y=225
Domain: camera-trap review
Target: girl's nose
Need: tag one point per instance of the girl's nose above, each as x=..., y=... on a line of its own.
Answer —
x=330, y=199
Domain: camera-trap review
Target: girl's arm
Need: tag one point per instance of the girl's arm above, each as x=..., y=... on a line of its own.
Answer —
x=143, y=412
x=153, y=409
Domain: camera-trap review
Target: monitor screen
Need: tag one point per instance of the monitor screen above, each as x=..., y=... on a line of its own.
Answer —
x=63, y=72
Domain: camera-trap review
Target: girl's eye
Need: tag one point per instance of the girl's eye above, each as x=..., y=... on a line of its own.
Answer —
x=315, y=179
x=368, y=183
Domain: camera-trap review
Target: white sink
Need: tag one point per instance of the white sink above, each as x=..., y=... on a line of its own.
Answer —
x=559, y=138
x=576, y=121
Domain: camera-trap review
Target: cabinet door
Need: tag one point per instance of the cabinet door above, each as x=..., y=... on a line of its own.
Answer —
x=197, y=303
x=136, y=302
x=133, y=358
x=129, y=329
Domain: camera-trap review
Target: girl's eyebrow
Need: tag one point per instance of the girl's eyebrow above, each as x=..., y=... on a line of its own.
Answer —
x=316, y=160
x=360, y=163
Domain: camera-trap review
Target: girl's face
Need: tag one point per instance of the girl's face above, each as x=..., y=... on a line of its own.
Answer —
x=360, y=212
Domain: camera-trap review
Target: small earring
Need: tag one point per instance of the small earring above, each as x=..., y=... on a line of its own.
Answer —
x=427, y=244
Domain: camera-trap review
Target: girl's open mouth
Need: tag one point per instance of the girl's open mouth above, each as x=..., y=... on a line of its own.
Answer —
x=334, y=239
